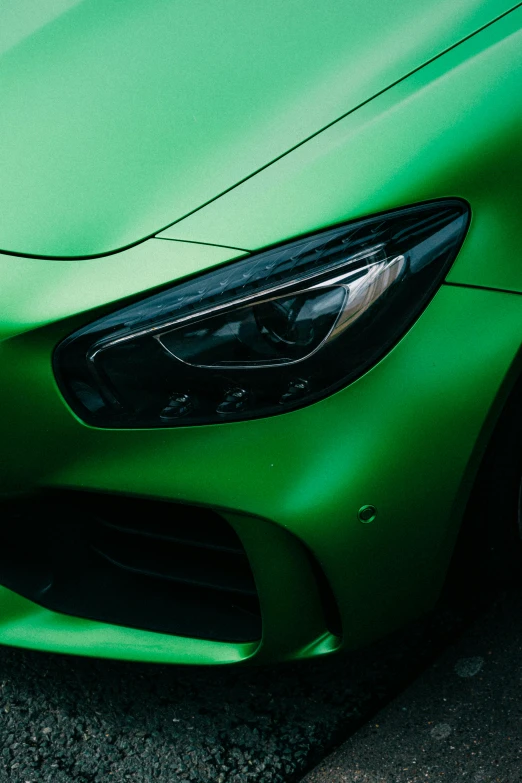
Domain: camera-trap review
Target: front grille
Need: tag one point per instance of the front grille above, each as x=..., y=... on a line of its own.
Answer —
x=153, y=565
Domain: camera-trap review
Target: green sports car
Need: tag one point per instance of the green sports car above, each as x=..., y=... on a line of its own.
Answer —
x=261, y=318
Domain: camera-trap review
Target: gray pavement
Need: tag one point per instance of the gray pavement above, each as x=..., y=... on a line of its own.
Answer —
x=460, y=721
x=72, y=720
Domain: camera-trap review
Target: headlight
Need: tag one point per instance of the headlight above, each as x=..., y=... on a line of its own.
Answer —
x=267, y=334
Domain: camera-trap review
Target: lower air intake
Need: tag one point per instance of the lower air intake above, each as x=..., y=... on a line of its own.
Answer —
x=157, y=566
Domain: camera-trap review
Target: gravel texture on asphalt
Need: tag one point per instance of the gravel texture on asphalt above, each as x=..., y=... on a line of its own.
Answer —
x=460, y=721
x=66, y=719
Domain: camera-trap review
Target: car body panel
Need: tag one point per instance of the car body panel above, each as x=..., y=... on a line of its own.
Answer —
x=25, y=624
x=451, y=129
x=406, y=437
x=119, y=118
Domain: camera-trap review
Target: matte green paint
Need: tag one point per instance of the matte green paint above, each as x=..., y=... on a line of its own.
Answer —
x=25, y=624
x=407, y=437
x=454, y=128
x=120, y=117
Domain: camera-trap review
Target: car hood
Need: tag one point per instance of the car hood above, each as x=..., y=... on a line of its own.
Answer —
x=119, y=118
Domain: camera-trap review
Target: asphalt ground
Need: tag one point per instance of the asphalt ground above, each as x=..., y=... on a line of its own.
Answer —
x=65, y=719
x=460, y=721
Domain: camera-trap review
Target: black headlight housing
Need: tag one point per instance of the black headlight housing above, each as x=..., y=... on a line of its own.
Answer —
x=272, y=332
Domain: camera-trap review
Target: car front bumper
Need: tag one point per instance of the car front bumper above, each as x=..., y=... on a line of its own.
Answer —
x=407, y=438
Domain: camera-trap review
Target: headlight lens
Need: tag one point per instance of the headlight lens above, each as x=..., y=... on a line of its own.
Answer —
x=267, y=334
